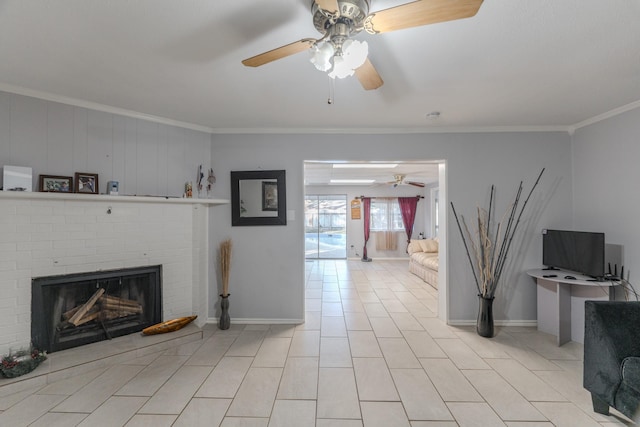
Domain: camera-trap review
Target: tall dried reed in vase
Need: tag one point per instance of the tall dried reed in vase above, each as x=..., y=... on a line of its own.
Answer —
x=488, y=246
x=487, y=249
x=225, y=269
x=225, y=265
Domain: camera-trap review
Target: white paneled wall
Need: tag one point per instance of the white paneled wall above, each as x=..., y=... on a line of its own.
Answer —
x=147, y=158
x=40, y=237
x=54, y=237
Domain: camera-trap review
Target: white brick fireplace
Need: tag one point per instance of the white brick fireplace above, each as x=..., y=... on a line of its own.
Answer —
x=45, y=234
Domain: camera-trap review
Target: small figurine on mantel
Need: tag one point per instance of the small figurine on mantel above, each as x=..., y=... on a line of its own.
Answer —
x=199, y=180
x=188, y=190
x=211, y=179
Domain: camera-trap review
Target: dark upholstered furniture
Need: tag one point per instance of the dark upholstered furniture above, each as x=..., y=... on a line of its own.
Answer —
x=612, y=356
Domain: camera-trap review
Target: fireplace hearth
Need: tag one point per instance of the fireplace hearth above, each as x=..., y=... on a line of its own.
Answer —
x=72, y=310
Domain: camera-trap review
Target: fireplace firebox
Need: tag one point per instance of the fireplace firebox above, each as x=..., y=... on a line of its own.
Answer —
x=73, y=310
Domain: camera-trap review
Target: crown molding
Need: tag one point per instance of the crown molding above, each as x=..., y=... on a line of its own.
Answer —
x=570, y=129
x=100, y=107
x=354, y=131
x=396, y=131
x=604, y=116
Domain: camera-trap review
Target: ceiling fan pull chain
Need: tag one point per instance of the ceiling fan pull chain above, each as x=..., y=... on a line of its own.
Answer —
x=332, y=90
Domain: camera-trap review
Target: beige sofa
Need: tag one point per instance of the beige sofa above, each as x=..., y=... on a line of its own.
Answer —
x=423, y=260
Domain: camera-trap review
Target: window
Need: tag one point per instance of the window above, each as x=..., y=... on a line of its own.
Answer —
x=385, y=215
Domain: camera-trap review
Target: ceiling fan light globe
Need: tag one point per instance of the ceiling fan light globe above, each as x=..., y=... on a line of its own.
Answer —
x=354, y=54
x=321, y=55
x=321, y=63
x=341, y=69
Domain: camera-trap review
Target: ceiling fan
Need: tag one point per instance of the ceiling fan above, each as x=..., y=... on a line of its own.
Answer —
x=339, y=20
x=400, y=180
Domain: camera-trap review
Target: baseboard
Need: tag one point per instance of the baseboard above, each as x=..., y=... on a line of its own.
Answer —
x=257, y=321
x=519, y=323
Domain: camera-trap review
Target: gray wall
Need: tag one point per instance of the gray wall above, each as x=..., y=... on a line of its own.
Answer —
x=268, y=268
x=606, y=177
x=267, y=277
x=56, y=139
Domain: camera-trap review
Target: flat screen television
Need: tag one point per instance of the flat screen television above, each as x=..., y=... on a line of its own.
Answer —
x=579, y=251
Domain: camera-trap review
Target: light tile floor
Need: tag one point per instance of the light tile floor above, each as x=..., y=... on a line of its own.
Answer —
x=371, y=353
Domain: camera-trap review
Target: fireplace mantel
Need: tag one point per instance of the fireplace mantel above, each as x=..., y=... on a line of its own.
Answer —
x=77, y=197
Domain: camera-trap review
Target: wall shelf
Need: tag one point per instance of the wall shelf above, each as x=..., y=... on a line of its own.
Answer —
x=79, y=197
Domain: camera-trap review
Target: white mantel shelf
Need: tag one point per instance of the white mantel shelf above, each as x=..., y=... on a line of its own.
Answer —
x=78, y=197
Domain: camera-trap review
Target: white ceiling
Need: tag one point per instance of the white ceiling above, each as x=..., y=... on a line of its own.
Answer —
x=321, y=173
x=517, y=63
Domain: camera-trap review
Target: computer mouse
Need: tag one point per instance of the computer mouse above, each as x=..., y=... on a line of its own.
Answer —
x=570, y=277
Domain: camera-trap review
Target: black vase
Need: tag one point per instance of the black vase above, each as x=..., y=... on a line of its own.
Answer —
x=225, y=320
x=484, y=325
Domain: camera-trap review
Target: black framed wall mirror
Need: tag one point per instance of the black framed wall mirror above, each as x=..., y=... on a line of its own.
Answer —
x=258, y=198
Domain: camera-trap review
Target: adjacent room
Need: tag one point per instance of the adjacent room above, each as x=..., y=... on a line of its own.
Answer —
x=323, y=213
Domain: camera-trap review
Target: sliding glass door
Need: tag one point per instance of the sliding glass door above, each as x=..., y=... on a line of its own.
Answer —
x=325, y=226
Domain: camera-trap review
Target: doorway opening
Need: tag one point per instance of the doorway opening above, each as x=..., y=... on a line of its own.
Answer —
x=377, y=179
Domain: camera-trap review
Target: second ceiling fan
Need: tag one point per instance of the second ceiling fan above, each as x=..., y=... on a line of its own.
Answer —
x=339, y=20
x=400, y=180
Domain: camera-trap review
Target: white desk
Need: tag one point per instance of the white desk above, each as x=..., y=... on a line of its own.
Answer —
x=561, y=302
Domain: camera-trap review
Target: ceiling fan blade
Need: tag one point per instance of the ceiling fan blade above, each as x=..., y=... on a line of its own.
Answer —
x=279, y=53
x=368, y=76
x=421, y=12
x=329, y=6
x=415, y=183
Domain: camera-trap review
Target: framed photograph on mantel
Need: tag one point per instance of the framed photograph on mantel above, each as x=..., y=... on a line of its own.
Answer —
x=86, y=183
x=56, y=184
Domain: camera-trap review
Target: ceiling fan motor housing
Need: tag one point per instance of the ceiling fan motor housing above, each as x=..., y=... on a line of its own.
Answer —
x=351, y=16
x=338, y=20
